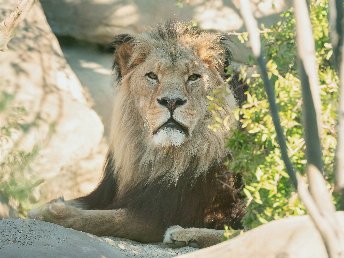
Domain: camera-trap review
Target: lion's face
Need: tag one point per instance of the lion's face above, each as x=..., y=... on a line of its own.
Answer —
x=169, y=74
x=160, y=118
x=171, y=96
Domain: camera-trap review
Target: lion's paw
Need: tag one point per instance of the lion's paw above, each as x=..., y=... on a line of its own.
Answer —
x=56, y=211
x=176, y=236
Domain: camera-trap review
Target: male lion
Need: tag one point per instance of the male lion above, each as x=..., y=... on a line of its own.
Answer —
x=165, y=166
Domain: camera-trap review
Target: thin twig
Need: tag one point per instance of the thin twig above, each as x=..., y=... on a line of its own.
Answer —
x=243, y=33
x=10, y=23
x=254, y=38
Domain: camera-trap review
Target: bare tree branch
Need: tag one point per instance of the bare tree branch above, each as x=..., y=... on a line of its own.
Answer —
x=254, y=37
x=337, y=38
x=322, y=212
x=336, y=28
x=339, y=161
x=310, y=84
x=8, y=26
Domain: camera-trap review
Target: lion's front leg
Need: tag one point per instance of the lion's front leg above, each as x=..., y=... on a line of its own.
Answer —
x=119, y=223
x=177, y=236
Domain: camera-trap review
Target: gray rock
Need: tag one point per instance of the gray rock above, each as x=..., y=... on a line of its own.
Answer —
x=29, y=238
x=99, y=20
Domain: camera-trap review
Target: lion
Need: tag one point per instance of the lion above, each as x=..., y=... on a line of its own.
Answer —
x=165, y=177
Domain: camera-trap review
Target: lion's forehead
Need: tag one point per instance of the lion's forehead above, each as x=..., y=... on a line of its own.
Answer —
x=169, y=61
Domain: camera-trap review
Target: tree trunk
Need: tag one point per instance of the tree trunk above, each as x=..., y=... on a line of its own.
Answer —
x=291, y=237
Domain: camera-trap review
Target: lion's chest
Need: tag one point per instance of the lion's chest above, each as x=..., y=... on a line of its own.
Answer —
x=201, y=202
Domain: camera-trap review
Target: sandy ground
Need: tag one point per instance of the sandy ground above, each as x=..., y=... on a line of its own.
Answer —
x=134, y=249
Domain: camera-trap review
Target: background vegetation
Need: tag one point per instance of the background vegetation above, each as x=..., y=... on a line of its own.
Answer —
x=255, y=150
x=16, y=185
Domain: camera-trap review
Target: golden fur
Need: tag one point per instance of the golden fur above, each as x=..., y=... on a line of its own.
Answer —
x=136, y=112
x=165, y=165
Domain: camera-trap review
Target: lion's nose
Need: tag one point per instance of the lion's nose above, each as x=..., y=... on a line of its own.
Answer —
x=171, y=104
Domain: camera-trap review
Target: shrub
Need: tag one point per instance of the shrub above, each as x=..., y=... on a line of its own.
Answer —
x=255, y=150
x=15, y=184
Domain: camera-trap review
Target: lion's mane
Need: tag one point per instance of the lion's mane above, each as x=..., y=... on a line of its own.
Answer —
x=137, y=161
x=169, y=185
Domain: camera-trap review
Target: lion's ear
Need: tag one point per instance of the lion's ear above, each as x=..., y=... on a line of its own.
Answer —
x=123, y=45
x=236, y=84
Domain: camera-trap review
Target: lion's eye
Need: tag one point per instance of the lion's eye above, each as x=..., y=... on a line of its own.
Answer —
x=152, y=76
x=194, y=77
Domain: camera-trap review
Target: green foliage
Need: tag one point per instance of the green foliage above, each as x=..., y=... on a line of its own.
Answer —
x=255, y=150
x=15, y=184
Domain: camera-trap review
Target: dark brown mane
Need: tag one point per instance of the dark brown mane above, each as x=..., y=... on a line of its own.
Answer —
x=104, y=193
x=212, y=201
x=166, y=32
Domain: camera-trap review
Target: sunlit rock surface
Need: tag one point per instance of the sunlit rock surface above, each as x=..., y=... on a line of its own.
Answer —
x=98, y=20
x=59, y=120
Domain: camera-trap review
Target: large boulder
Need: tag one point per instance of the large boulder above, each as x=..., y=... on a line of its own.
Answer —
x=99, y=20
x=93, y=68
x=29, y=238
x=294, y=236
x=58, y=120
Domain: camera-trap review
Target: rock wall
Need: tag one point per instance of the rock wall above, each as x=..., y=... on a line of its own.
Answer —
x=59, y=120
x=99, y=20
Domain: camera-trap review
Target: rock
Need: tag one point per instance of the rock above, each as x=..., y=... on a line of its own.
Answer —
x=99, y=20
x=59, y=120
x=93, y=68
x=294, y=236
x=30, y=238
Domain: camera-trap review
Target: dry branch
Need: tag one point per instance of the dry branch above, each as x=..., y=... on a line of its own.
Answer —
x=339, y=161
x=310, y=84
x=318, y=203
x=9, y=25
x=324, y=219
